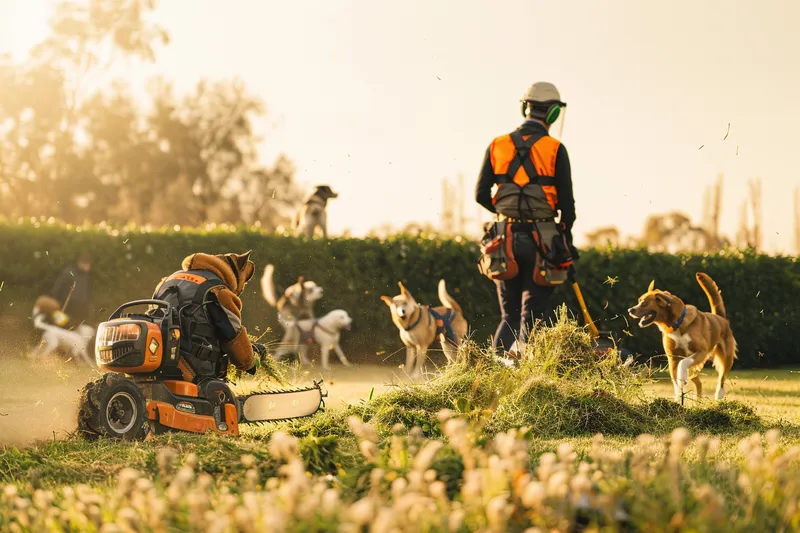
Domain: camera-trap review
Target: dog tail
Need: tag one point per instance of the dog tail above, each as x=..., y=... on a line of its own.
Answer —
x=268, y=286
x=713, y=293
x=446, y=299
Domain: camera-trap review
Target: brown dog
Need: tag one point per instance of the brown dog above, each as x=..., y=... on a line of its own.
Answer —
x=419, y=326
x=313, y=214
x=691, y=337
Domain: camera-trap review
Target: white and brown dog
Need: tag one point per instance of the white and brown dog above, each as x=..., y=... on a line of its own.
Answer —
x=420, y=325
x=48, y=318
x=297, y=301
x=691, y=337
x=325, y=331
x=313, y=214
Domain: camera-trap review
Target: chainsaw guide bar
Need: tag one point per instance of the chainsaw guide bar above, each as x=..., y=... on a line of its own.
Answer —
x=282, y=404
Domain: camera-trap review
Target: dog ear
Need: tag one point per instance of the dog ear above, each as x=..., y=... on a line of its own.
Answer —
x=387, y=300
x=246, y=266
x=242, y=259
x=663, y=300
x=403, y=289
x=652, y=286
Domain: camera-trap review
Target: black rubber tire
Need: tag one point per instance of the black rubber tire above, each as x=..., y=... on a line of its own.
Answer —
x=104, y=400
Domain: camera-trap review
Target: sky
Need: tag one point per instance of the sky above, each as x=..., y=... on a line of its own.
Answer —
x=382, y=100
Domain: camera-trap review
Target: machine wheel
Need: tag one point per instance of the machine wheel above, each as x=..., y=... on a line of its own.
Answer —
x=113, y=406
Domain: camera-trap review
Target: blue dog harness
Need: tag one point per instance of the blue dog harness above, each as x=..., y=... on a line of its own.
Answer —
x=444, y=323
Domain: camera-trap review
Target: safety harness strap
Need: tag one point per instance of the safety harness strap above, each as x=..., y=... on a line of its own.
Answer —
x=522, y=158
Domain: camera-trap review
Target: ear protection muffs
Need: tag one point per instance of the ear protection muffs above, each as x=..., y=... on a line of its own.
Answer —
x=550, y=117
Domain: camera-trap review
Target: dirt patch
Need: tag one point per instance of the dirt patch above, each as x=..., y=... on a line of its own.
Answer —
x=38, y=398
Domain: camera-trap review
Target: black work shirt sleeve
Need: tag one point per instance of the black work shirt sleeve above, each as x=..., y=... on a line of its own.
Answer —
x=226, y=325
x=63, y=284
x=483, y=190
x=566, y=200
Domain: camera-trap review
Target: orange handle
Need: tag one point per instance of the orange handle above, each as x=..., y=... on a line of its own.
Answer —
x=586, y=317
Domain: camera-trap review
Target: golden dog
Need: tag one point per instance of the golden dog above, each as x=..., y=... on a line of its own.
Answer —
x=691, y=337
x=420, y=325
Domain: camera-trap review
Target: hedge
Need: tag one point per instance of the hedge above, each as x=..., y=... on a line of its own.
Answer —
x=761, y=292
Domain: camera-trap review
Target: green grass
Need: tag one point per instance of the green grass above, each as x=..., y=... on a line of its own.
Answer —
x=562, y=393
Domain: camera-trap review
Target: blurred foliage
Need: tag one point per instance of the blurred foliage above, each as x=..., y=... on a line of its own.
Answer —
x=91, y=155
x=760, y=292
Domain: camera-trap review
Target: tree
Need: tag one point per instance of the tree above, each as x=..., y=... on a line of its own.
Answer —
x=674, y=232
x=604, y=236
x=712, y=210
x=46, y=168
x=93, y=156
x=749, y=236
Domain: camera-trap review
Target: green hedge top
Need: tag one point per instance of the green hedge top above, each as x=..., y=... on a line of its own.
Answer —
x=761, y=292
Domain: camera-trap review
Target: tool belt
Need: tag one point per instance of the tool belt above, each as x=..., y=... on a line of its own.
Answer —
x=497, y=254
x=553, y=257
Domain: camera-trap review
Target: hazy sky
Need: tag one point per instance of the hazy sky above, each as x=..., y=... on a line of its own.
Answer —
x=382, y=99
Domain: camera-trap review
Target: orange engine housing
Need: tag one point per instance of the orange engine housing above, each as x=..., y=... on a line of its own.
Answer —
x=132, y=346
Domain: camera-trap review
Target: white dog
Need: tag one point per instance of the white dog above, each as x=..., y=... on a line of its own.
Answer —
x=297, y=301
x=75, y=342
x=324, y=331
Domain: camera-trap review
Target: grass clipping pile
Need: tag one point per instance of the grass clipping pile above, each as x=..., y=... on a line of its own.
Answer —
x=563, y=387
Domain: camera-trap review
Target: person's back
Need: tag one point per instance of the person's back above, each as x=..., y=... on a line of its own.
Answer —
x=532, y=173
x=73, y=289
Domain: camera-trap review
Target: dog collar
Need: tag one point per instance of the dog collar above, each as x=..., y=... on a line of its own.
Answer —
x=419, y=317
x=678, y=322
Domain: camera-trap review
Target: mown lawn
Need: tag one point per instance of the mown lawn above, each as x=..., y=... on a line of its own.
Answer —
x=563, y=393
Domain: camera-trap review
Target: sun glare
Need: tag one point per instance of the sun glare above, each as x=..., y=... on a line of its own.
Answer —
x=23, y=23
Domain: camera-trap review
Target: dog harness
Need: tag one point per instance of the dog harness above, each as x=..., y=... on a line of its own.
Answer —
x=307, y=336
x=444, y=323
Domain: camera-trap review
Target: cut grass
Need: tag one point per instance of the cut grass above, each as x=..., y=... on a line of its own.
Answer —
x=562, y=391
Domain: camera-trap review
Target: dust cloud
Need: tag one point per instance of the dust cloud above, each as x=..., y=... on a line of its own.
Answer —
x=39, y=397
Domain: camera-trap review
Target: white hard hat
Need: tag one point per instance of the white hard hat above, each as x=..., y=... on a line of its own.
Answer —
x=542, y=91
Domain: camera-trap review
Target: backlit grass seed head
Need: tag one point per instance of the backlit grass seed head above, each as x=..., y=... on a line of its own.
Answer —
x=362, y=512
x=547, y=463
x=384, y=522
x=558, y=485
x=472, y=489
x=330, y=503
x=398, y=487
x=375, y=479
x=773, y=437
x=126, y=479
x=369, y=450
x=565, y=453
x=248, y=460
x=165, y=458
x=282, y=446
x=534, y=495
x=498, y=511
x=426, y=455
x=361, y=430
x=455, y=520
x=191, y=460
x=42, y=499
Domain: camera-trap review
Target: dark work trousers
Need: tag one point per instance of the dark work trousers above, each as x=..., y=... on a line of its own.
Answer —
x=521, y=300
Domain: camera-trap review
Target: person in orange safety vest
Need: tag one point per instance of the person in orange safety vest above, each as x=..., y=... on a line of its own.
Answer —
x=531, y=170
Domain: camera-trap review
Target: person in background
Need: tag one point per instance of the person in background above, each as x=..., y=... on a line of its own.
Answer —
x=73, y=290
x=529, y=166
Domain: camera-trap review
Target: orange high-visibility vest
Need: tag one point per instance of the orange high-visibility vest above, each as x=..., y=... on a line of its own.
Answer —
x=538, y=165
